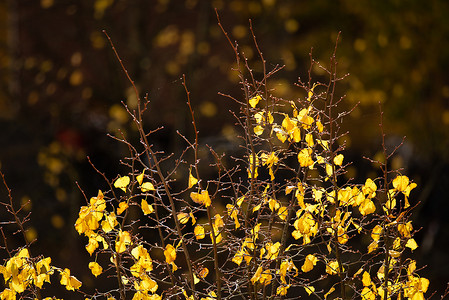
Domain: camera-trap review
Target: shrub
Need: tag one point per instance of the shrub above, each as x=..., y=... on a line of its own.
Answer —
x=279, y=220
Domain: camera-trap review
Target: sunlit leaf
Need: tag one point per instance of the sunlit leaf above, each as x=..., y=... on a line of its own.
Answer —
x=95, y=268
x=192, y=180
x=122, y=183
x=183, y=218
x=147, y=186
x=123, y=240
x=254, y=100
x=411, y=243
x=199, y=232
x=146, y=208
x=139, y=177
x=122, y=206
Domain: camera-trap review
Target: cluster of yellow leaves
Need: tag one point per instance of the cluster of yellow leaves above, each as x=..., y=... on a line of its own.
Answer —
x=20, y=272
x=415, y=287
x=262, y=276
x=305, y=226
x=401, y=184
x=88, y=222
x=339, y=226
x=287, y=265
x=94, y=221
x=247, y=247
x=142, y=267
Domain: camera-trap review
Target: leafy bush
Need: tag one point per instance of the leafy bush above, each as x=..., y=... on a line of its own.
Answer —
x=281, y=219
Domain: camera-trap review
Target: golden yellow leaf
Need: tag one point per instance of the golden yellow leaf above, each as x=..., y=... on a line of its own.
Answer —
x=147, y=186
x=309, y=263
x=122, y=206
x=183, y=217
x=201, y=198
x=124, y=240
x=332, y=289
x=338, y=160
x=304, y=157
x=70, y=282
x=146, y=208
x=122, y=183
x=283, y=213
x=139, y=178
x=192, y=180
x=366, y=279
x=309, y=289
x=400, y=183
x=254, y=100
x=95, y=268
x=411, y=243
x=170, y=253
x=199, y=232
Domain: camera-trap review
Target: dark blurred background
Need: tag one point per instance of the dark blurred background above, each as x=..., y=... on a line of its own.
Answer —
x=61, y=88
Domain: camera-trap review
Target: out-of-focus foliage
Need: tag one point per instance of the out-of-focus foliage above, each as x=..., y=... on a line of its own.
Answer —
x=61, y=86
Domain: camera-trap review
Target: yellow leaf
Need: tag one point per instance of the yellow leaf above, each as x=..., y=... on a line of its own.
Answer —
x=332, y=268
x=282, y=290
x=146, y=208
x=201, y=198
x=122, y=183
x=240, y=201
x=183, y=217
x=411, y=243
x=288, y=189
x=147, y=186
x=140, y=178
x=254, y=100
x=193, y=218
x=273, y=204
x=199, y=232
x=203, y=272
x=309, y=263
x=373, y=246
x=147, y=284
x=332, y=289
x=320, y=126
x=304, y=157
x=376, y=232
x=95, y=268
x=309, y=140
x=281, y=135
x=109, y=223
x=369, y=189
x=309, y=289
x=259, y=117
x=233, y=213
x=257, y=207
x=192, y=180
x=70, y=282
x=338, y=160
x=400, y=183
x=366, y=279
x=367, y=207
x=256, y=275
x=283, y=213
x=124, y=240
x=238, y=257
x=258, y=130
x=122, y=206
x=170, y=253
x=406, y=229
